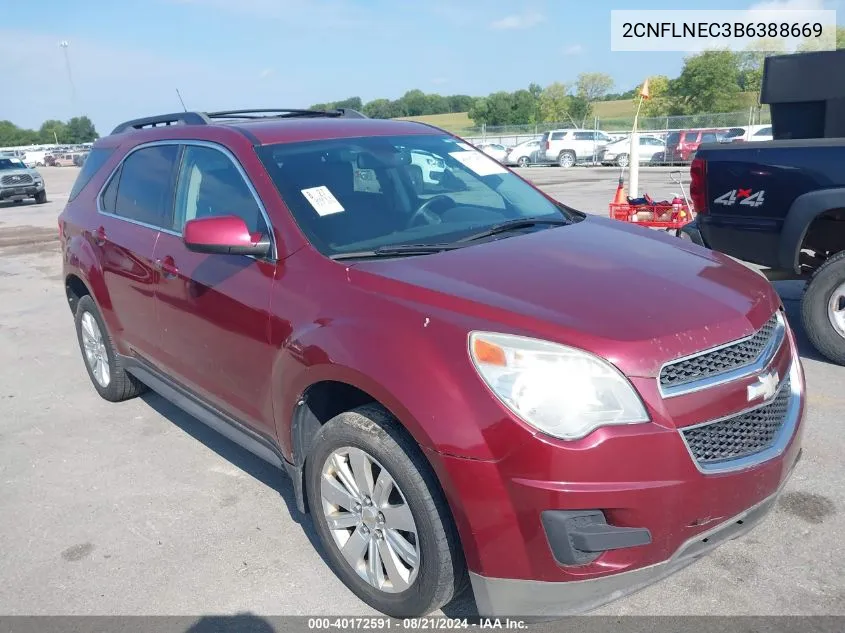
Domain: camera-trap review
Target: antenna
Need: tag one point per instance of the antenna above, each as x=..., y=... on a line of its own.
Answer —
x=180, y=100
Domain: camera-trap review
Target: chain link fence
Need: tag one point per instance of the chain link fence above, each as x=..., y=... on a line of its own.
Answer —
x=510, y=135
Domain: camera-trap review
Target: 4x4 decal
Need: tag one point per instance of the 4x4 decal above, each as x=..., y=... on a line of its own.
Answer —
x=744, y=196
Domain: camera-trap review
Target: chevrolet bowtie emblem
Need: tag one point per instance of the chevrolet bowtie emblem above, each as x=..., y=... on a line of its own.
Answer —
x=765, y=387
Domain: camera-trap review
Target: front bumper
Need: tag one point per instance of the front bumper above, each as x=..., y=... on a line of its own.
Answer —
x=19, y=193
x=641, y=478
x=500, y=597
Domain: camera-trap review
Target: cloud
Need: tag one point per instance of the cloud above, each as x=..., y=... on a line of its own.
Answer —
x=266, y=73
x=574, y=49
x=517, y=21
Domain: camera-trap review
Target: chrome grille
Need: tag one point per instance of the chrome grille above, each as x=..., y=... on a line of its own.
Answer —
x=727, y=358
x=742, y=435
x=17, y=179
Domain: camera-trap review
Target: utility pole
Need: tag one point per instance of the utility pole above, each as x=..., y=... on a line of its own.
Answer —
x=64, y=46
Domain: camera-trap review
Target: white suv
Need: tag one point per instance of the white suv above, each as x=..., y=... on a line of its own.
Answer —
x=568, y=147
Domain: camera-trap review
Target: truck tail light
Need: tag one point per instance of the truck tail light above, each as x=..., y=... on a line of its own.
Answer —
x=698, y=185
x=548, y=145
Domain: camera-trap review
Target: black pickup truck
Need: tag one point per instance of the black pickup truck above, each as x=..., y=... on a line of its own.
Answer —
x=781, y=205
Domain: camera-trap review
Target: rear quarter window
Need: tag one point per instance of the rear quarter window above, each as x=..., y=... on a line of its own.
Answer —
x=91, y=166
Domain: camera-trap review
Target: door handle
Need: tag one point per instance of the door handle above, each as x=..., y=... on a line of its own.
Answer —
x=168, y=267
x=99, y=236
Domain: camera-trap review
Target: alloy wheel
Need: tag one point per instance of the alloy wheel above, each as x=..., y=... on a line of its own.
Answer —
x=94, y=346
x=370, y=520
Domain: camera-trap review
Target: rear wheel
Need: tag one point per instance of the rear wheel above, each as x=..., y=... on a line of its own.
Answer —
x=566, y=159
x=381, y=515
x=823, y=309
x=105, y=370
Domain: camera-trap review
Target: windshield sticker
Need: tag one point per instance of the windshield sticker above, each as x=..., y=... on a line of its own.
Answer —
x=322, y=200
x=478, y=162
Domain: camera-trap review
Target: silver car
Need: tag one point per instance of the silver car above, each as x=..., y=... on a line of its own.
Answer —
x=569, y=147
x=525, y=154
x=18, y=182
x=652, y=150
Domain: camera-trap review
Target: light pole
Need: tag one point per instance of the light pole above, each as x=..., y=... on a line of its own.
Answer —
x=64, y=45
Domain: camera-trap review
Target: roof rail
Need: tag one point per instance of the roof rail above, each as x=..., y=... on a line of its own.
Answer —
x=204, y=118
x=177, y=118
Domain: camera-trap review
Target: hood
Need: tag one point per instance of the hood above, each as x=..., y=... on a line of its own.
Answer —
x=632, y=295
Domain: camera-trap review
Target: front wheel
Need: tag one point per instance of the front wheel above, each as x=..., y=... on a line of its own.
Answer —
x=381, y=515
x=523, y=161
x=622, y=160
x=823, y=309
x=41, y=197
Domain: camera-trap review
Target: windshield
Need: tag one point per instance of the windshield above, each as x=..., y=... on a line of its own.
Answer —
x=11, y=163
x=356, y=194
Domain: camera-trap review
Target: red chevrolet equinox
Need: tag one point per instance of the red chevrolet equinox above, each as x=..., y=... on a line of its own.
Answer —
x=468, y=382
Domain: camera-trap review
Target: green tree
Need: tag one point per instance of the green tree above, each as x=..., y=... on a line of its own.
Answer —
x=11, y=135
x=500, y=108
x=460, y=103
x=479, y=112
x=415, y=103
x=709, y=82
x=80, y=129
x=380, y=109
x=52, y=131
x=593, y=86
x=554, y=103
x=578, y=110
x=523, y=107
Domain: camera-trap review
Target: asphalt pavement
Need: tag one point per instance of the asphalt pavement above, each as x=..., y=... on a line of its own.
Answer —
x=138, y=509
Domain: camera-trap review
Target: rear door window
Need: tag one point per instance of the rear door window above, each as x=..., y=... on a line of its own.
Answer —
x=145, y=190
x=558, y=136
x=91, y=166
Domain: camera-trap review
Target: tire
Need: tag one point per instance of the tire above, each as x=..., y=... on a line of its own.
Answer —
x=826, y=286
x=41, y=197
x=566, y=159
x=523, y=161
x=622, y=160
x=118, y=385
x=440, y=573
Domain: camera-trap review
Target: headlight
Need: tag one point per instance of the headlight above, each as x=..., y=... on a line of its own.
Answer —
x=559, y=390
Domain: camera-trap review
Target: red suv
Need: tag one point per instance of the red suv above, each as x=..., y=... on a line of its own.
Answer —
x=467, y=381
x=680, y=146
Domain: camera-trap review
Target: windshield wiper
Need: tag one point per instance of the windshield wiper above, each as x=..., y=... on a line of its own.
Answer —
x=399, y=249
x=513, y=225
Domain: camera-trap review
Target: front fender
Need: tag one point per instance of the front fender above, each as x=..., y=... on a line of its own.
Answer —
x=435, y=394
x=801, y=214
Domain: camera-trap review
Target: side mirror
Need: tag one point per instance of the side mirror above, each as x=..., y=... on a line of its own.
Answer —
x=225, y=235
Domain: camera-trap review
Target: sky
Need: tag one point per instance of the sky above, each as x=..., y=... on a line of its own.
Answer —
x=127, y=59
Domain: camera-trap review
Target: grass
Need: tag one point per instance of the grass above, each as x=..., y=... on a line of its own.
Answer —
x=620, y=109
x=454, y=121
